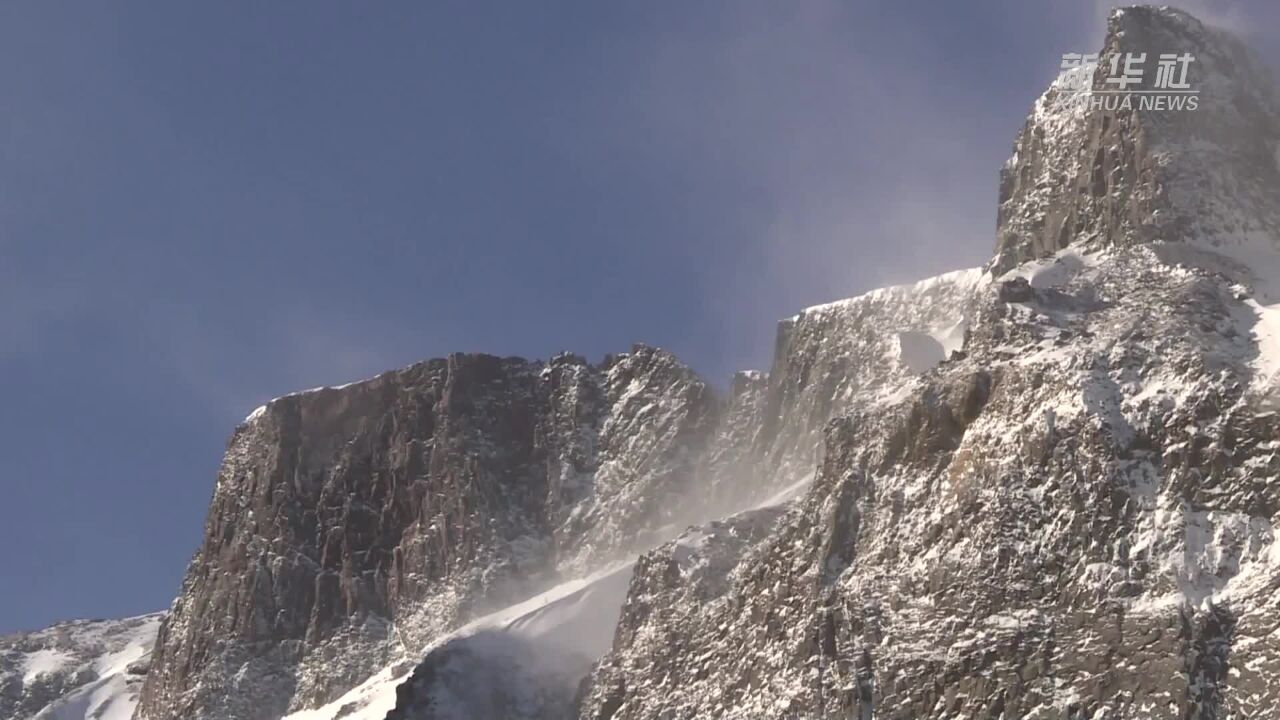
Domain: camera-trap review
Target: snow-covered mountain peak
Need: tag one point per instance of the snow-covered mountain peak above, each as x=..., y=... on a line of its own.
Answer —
x=1138, y=152
x=1075, y=516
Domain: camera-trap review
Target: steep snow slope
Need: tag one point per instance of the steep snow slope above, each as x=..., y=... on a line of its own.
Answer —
x=551, y=639
x=76, y=670
x=525, y=668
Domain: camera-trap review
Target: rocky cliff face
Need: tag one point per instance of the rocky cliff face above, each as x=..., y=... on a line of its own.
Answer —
x=829, y=360
x=1075, y=516
x=1092, y=171
x=858, y=353
x=350, y=526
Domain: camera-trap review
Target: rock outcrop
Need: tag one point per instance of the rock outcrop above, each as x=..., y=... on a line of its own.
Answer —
x=1098, y=171
x=350, y=526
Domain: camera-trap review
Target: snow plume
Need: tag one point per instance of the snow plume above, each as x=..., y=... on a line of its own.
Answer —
x=528, y=662
x=495, y=674
x=515, y=663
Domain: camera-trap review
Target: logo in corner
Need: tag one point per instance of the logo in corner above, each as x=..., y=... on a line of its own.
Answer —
x=1130, y=82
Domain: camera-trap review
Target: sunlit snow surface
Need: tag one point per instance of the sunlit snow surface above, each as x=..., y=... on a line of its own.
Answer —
x=1217, y=554
x=582, y=611
x=1260, y=287
x=81, y=669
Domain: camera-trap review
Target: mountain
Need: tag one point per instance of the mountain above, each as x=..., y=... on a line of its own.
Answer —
x=1075, y=517
x=351, y=526
x=1043, y=488
x=1099, y=176
x=76, y=670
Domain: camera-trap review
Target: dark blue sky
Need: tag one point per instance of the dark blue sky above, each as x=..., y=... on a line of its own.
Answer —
x=206, y=206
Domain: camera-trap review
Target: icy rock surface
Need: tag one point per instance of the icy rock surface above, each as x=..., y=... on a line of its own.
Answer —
x=832, y=359
x=835, y=358
x=1076, y=516
x=353, y=527
x=76, y=670
x=1120, y=176
x=350, y=527
x=1072, y=518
